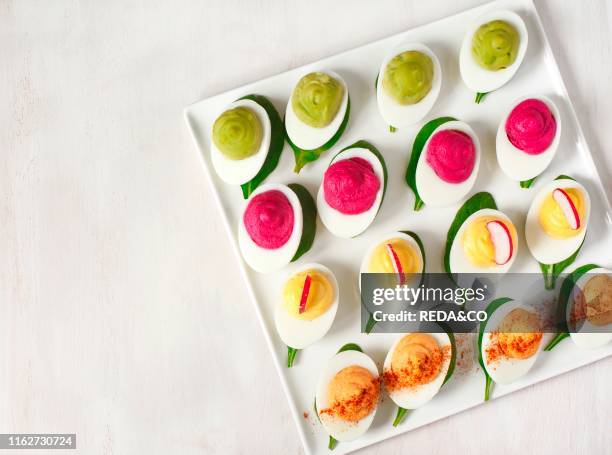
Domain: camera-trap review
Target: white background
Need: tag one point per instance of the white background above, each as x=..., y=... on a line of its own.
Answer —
x=122, y=316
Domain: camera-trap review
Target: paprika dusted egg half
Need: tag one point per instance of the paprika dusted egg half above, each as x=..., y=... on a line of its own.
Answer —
x=347, y=394
x=416, y=367
x=277, y=226
x=306, y=308
x=589, y=312
x=509, y=342
x=557, y=220
x=352, y=190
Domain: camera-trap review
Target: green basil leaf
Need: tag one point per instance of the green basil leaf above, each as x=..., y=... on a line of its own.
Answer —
x=370, y=324
x=479, y=201
x=331, y=445
x=417, y=148
x=350, y=347
x=277, y=142
x=480, y=96
x=303, y=157
x=291, y=353
x=552, y=271
x=401, y=413
x=527, y=183
x=559, y=337
x=309, y=216
x=453, y=360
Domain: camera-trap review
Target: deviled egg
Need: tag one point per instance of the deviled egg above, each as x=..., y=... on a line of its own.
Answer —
x=398, y=253
x=416, y=367
x=556, y=225
x=400, y=256
x=444, y=163
x=316, y=115
x=589, y=313
x=352, y=190
x=509, y=342
x=492, y=51
x=246, y=142
x=277, y=226
x=408, y=84
x=585, y=306
x=528, y=138
x=481, y=239
x=307, y=307
x=347, y=394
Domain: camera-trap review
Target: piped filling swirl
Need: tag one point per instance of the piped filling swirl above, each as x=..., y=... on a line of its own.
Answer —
x=316, y=99
x=452, y=155
x=531, y=127
x=495, y=45
x=350, y=186
x=269, y=219
x=237, y=133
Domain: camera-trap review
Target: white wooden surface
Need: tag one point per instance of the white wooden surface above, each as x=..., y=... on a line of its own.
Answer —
x=121, y=316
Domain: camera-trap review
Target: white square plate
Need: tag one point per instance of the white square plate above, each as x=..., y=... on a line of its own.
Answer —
x=538, y=74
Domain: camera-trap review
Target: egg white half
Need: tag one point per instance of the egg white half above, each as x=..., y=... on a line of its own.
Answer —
x=474, y=76
x=434, y=191
x=343, y=225
x=586, y=337
x=412, y=398
x=237, y=172
x=338, y=428
x=264, y=260
x=307, y=137
x=544, y=248
x=399, y=115
x=505, y=370
x=298, y=333
x=460, y=263
x=517, y=164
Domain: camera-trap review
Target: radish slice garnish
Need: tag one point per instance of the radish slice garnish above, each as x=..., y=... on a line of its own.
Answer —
x=502, y=241
x=397, y=265
x=305, y=292
x=568, y=207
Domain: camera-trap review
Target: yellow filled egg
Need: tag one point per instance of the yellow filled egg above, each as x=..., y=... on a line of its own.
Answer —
x=556, y=221
x=478, y=244
x=395, y=253
x=307, y=295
